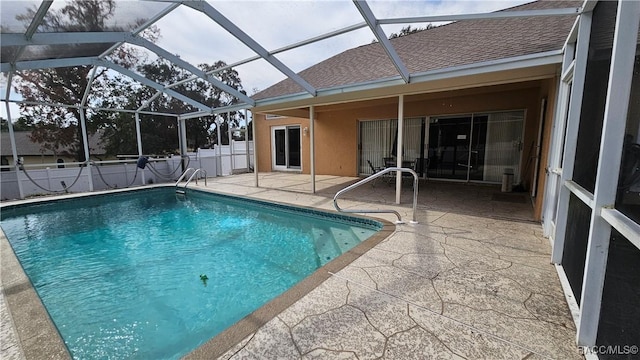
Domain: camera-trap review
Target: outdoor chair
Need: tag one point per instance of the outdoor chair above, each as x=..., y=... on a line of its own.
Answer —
x=374, y=170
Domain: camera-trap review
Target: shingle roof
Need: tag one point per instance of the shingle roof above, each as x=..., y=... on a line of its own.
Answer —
x=459, y=43
x=27, y=147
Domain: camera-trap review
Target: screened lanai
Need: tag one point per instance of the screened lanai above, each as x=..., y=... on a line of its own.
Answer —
x=97, y=38
x=590, y=207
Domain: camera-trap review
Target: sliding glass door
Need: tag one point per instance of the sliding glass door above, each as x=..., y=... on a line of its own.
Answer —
x=470, y=147
x=286, y=154
x=378, y=140
x=478, y=147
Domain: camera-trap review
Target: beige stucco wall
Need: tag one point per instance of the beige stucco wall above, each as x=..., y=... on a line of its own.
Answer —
x=336, y=126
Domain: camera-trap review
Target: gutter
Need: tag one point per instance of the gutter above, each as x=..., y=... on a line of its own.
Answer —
x=553, y=57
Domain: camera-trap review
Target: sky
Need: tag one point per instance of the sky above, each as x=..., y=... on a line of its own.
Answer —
x=274, y=24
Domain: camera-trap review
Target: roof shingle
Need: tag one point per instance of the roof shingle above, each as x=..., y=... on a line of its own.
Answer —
x=455, y=44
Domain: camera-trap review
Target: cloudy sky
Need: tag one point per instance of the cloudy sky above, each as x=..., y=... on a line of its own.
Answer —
x=274, y=24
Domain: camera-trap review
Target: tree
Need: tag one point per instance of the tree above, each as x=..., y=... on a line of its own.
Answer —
x=58, y=127
x=22, y=124
x=159, y=132
x=407, y=30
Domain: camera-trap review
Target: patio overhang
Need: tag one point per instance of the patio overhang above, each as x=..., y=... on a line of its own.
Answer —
x=502, y=71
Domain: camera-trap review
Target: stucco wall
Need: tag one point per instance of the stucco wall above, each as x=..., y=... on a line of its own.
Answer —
x=263, y=143
x=336, y=126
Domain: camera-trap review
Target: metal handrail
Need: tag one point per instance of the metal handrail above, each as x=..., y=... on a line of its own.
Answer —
x=373, y=177
x=195, y=172
x=183, y=175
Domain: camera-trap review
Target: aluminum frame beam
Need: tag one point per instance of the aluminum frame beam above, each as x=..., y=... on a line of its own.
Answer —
x=136, y=40
x=382, y=38
x=33, y=26
x=234, y=30
x=63, y=38
x=46, y=64
x=143, y=26
x=89, y=107
x=478, y=16
x=152, y=84
x=283, y=49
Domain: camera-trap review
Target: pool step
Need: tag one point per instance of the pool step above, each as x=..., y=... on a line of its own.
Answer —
x=362, y=234
x=326, y=247
x=345, y=238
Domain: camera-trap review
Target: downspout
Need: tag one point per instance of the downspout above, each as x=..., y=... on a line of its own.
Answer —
x=312, y=147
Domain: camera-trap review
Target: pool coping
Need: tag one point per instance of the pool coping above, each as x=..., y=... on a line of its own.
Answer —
x=38, y=335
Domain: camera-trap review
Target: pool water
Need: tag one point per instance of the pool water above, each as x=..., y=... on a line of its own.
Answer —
x=150, y=275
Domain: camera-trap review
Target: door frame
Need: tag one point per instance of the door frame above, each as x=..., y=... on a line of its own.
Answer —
x=285, y=167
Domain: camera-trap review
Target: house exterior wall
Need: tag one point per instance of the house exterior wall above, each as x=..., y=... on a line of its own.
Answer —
x=264, y=146
x=336, y=126
x=548, y=90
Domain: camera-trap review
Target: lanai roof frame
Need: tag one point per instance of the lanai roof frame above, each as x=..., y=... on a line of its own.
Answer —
x=404, y=75
x=120, y=38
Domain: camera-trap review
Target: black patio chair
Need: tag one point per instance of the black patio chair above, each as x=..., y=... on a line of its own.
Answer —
x=374, y=170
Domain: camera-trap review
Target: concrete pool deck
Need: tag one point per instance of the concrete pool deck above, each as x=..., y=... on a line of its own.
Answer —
x=472, y=279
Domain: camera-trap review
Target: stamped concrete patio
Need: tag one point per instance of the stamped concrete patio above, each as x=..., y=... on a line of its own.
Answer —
x=472, y=280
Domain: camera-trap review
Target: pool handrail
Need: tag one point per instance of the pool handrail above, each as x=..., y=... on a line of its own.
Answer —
x=373, y=177
x=195, y=172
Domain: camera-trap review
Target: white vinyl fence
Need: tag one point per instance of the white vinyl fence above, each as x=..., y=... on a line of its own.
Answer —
x=120, y=174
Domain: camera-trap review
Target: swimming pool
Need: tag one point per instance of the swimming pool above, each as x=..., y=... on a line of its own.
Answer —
x=145, y=274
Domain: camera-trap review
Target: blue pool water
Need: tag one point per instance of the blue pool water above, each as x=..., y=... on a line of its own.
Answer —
x=120, y=275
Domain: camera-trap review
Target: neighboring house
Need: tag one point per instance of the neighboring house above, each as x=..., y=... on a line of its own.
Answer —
x=481, y=94
x=33, y=153
x=556, y=99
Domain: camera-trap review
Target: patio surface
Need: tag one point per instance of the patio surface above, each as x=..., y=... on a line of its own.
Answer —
x=471, y=280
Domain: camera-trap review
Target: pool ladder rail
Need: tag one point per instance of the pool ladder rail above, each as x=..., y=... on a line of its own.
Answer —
x=182, y=190
x=373, y=177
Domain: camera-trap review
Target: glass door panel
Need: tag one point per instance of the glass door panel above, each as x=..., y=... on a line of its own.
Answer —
x=293, y=138
x=503, y=147
x=280, y=147
x=286, y=151
x=449, y=147
x=478, y=148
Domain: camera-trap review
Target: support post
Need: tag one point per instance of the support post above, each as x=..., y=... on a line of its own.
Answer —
x=255, y=149
x=312, y=147
x=183, y=142
x=12, y=138
x=218, y=128
x=85, y=139
x=399, y=148
x=229, y=135
x=571, y=135
x=610, y=159
x=246, y=139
